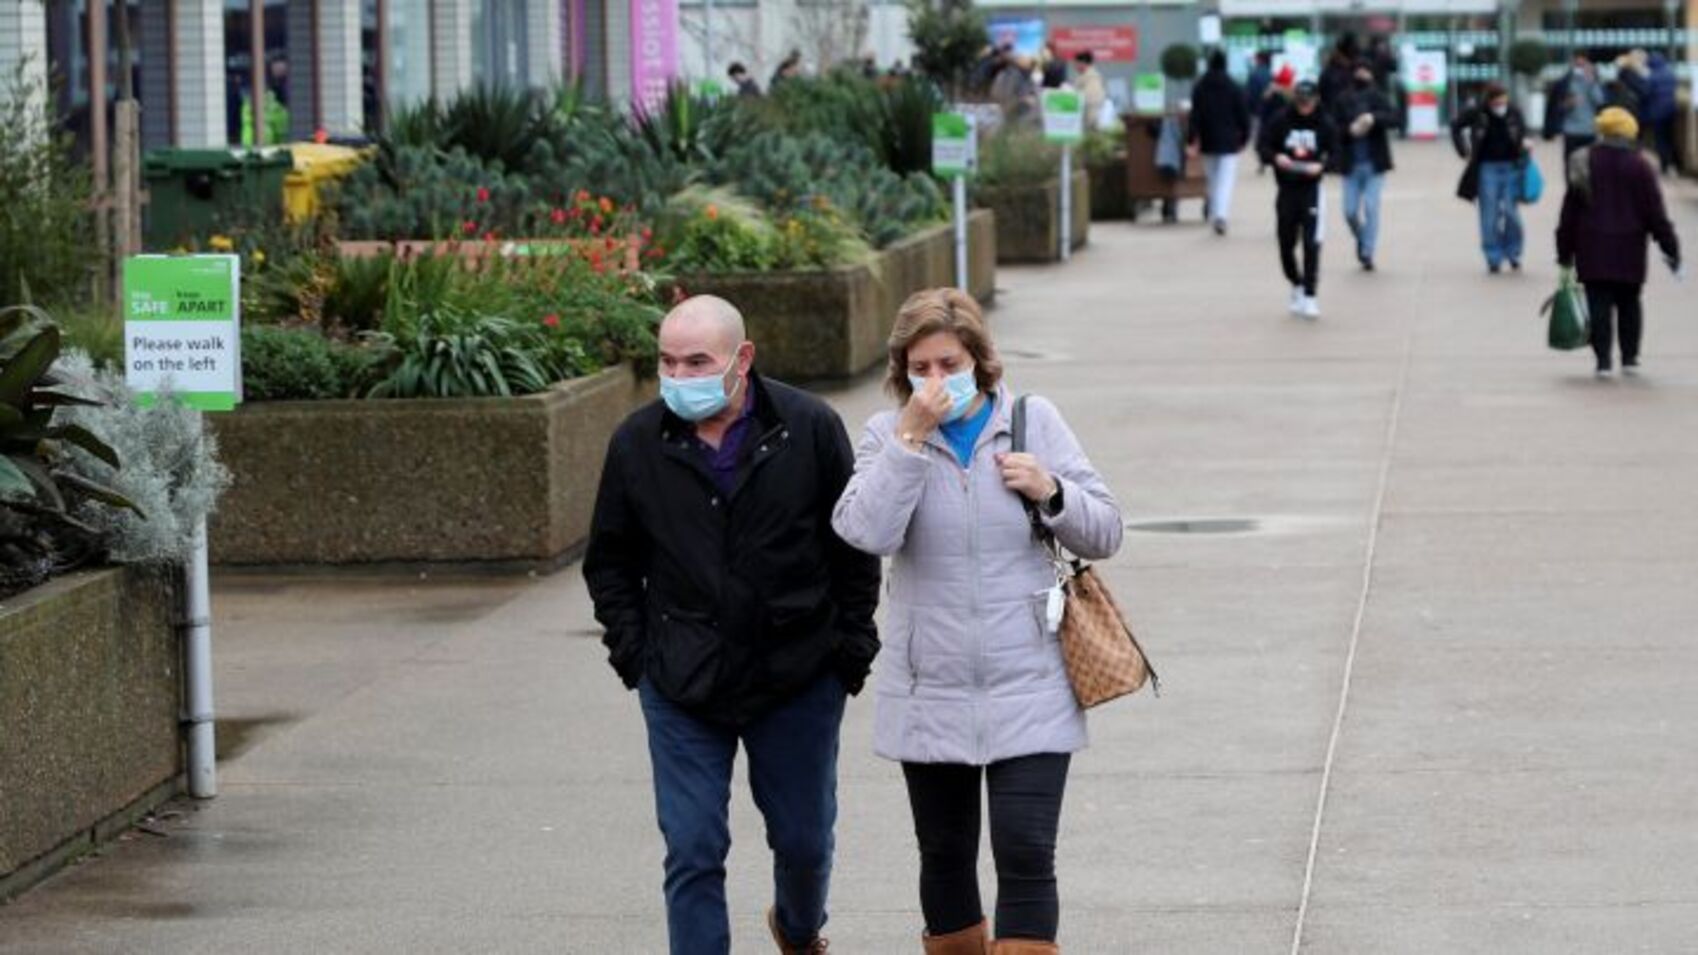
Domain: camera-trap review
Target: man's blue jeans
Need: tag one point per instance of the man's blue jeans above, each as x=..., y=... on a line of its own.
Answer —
x=793, y=771
x=1500, y=212
x=1362, y=206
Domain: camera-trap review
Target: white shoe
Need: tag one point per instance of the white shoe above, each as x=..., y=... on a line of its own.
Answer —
x=1631, y=371
x=1311, y=308
x=1604, y=374
x=1297, y=300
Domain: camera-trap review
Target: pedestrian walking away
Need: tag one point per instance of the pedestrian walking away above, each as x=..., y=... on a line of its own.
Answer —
x=736, y=613
x=1577, y=98
x=1365, y=118
x=742, y=81
x=972, y=693
x=1220, y=128
x=1662, y=108
x=1299, y=144
x=1613, y=207
x=1492, y=136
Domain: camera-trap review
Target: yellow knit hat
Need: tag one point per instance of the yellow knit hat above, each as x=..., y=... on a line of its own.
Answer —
x=1617, y=123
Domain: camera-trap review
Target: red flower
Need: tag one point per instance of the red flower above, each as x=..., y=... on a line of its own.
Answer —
x=598, y=268
x=551, y=320
x=483, y=194
x=647, y=233
x=583, y=195
x=489, y=236
x=559, y=216
x=469, y=227
x=606, y=204
x=595, y=226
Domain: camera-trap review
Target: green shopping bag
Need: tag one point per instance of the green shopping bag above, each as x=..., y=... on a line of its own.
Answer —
x=1570, y=326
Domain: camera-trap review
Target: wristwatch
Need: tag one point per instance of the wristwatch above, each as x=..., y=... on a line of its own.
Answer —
x=1052, y=504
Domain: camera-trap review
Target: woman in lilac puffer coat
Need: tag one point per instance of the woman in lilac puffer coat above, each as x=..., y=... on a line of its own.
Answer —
x=972, y=691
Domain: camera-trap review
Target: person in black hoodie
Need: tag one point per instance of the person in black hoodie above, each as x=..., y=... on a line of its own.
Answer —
x=1365, y=118
x=1299, y=144
x=1220, y=127
x=736, y=612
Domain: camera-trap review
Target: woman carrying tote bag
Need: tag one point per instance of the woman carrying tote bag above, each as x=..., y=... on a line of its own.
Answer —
x=972, y=690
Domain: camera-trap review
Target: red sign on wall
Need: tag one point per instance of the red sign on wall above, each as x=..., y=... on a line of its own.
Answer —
x=1107, y=44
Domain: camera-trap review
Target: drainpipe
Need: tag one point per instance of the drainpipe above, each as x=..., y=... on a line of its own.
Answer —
x=203, y=747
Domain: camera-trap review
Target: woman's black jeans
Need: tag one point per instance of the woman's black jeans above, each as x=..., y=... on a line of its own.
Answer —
x=1025, y=811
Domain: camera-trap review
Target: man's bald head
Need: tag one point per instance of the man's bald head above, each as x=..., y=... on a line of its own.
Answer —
x=709, y=316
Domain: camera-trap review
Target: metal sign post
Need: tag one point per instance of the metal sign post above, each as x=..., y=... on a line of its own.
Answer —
x=1064, y=123
x=955, y=153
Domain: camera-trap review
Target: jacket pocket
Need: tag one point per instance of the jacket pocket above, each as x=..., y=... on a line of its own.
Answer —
x=686, y=655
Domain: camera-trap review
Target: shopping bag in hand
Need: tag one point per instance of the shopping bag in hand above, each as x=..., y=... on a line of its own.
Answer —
x=1570, y=327
x=1532, y=182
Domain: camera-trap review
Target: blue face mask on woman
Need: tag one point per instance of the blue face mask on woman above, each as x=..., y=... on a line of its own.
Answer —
x=963, y=387
x=696, y=399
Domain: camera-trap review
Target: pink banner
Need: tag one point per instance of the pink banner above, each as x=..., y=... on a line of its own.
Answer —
x=654, y=49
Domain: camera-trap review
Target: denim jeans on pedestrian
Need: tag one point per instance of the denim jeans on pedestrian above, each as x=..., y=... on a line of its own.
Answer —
x=792, y=754
x=1500, y=212
x=1362, y=206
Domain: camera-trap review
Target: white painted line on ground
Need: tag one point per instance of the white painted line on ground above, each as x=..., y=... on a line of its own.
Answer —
x=1369, y=554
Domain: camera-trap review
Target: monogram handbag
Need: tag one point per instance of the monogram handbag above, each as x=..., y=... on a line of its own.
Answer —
x=1104, y=660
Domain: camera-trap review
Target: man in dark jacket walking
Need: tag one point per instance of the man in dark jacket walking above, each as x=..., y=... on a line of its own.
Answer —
x=1220, y=128
x=1299, y=144
x=733, y=608
x=1365, y=118
x=1612, y=206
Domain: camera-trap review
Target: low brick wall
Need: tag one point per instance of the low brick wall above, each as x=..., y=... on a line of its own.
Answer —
x=90, y=703
x=1028, y=219
x=462, y=481
x=834, y=323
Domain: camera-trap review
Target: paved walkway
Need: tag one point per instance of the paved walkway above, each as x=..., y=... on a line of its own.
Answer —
x=1444, y=699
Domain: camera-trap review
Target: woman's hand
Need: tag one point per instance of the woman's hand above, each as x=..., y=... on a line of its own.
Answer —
x=925, y=410
x=1023, y=474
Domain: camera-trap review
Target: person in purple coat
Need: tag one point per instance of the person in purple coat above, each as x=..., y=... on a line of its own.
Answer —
x=1612, y=207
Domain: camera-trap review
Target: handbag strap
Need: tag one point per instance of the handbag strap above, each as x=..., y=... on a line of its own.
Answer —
x=1040, y=531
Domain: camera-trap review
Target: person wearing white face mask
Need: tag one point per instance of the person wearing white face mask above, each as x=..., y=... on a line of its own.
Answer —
x=972, y=691
x=1492, y=137
x=737, y=614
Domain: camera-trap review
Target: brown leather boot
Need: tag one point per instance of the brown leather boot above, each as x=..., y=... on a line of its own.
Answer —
x=813, y=947
x=1025, y=946
x=972, y=940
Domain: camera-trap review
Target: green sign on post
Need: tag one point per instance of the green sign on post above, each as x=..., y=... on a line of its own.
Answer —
x=1149, y=93
x=182, y=328
x=1064, y=116
x=954, y=147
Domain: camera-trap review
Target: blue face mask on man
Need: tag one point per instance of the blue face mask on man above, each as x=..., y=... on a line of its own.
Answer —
x=963, y=387
x=696, y=399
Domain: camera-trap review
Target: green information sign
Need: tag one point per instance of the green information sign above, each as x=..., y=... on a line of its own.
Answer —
x=182, y=328
x=1064, y=116
x=954, y=146
x=1149, y=93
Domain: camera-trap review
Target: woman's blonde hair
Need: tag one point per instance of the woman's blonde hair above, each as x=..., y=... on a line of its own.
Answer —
x=941, y=310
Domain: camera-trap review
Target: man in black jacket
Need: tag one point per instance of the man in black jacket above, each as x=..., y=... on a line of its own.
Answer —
x=736, y=612
x=1365, y=116
x=1299, y=145
x=1220, y=128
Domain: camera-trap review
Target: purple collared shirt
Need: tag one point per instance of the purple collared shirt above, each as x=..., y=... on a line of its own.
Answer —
x=724, y=460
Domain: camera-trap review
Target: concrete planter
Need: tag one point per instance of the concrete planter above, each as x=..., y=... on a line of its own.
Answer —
x=1109, y=199
x=90, y=698
x=1028, y=218
x=504, y=480
x=833, y=323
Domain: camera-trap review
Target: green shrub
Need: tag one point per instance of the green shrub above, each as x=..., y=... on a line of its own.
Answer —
x=47, y=251
x=789, y=174
x=421, y=192
x=1179, y=62
x=1017, y=157
x=1528, y=57
x=40, y=497
x=297, y=364
x=449, y=353
x=948, y=36
x=95, y=331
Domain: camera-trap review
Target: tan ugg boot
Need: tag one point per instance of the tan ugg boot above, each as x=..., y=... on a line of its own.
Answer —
x=972, y=940
x=1025, y=946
